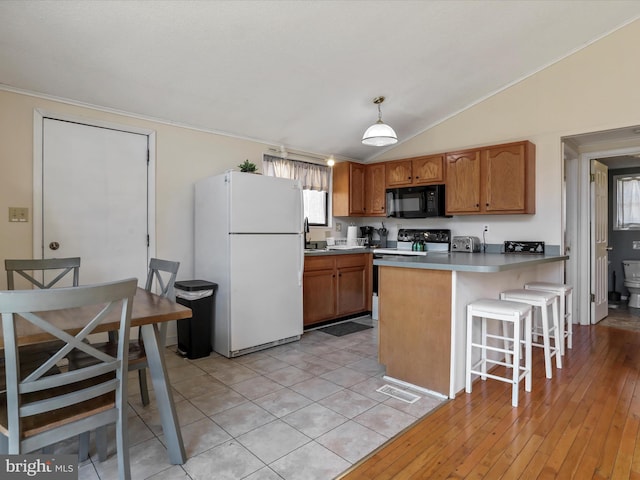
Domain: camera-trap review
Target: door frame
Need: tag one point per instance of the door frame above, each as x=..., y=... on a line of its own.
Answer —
x=583, y=244
x=38, y=121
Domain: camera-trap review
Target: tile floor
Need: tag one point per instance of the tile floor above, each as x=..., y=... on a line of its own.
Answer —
x=305, y=410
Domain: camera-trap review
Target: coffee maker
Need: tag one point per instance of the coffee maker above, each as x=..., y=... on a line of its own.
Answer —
x=367, y=234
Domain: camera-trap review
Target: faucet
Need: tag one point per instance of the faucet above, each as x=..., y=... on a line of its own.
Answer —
x=306, y=232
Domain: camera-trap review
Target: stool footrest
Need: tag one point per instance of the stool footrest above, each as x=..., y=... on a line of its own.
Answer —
x=502, y=379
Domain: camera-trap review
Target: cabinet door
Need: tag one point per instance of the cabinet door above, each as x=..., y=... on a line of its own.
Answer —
x=352, y=282
x=375, y=189
x=356, y=189
x=399, y=173
x=463, y=182
x=508, y=178
x=319, y=296
x=348, y=189
x=429, y=169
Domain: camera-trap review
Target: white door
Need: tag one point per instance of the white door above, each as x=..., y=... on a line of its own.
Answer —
x=599, y=240
x=93, y=201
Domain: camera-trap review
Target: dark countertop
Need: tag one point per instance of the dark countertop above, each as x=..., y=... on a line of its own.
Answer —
x=468, y=262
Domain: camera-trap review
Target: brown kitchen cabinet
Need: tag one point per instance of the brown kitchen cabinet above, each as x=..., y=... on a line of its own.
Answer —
x=499, y=179
x=428, y=169
x=399, y=173
x=349, y=189
x=424, y=170
x=375, y=190
x=319, y=289
x=335, y=286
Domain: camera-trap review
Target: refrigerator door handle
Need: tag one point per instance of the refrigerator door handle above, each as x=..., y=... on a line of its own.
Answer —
x=300, y=258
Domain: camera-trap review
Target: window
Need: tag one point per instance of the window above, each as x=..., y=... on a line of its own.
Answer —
x=316, y=207
x=315, y=184
x=627, y=198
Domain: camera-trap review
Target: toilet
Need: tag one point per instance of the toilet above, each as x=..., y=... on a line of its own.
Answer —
x=632, y=281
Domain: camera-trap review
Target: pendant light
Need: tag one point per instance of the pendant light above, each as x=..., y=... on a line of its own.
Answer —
x=379, y=134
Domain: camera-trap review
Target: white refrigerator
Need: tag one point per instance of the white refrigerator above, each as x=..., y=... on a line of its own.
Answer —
x=249, y=240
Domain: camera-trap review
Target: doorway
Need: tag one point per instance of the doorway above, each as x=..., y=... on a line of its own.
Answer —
x=612, y=148
x=94, y=196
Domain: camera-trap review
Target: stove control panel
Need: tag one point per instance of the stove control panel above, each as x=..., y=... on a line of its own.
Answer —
x=427, y=236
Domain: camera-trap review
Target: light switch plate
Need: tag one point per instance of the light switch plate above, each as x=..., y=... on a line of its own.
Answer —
x=18, y=214
x=636, y=244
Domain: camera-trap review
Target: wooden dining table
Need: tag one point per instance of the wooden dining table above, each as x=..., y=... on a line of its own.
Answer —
x=148, y=312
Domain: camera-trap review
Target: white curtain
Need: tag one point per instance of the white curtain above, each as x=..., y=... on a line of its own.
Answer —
x=629, y=202
x=312, y=175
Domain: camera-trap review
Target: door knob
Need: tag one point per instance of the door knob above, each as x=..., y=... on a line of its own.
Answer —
x=54, y=246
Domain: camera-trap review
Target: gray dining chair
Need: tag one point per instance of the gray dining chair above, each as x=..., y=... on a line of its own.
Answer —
x=43, y=409
x=162, y=274
x=35, y=271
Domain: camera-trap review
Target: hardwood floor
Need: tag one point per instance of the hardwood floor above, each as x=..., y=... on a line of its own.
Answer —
x=584, y=423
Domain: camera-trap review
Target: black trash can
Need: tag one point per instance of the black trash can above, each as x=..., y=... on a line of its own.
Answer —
x=194, y=334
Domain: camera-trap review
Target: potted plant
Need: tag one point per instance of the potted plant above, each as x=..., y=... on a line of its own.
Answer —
x=248, y=167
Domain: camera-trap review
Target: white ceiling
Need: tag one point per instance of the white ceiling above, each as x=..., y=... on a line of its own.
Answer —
x=301, y=74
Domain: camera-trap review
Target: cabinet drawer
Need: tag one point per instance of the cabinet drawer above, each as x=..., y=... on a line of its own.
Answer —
x=357, y=260
x=324, y=262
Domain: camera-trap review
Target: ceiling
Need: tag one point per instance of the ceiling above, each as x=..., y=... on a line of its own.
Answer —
x=302, y=74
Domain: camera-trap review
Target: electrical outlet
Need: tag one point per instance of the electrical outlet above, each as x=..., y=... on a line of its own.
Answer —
x=486, y=228
x=636, y=244
x=17, y=214
x=338, y=227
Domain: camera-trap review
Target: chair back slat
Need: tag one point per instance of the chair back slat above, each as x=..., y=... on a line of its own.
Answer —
x=50, y=392
x=23, y=267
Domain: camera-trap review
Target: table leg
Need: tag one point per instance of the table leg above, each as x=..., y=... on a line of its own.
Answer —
x=162, y=388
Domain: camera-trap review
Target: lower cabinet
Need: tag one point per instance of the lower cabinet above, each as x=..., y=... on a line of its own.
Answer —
x=335, y=286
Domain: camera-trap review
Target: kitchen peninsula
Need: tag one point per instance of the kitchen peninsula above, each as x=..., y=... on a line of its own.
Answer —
x=423, y=309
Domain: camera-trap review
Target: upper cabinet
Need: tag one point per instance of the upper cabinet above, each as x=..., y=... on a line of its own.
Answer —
x=348, y=189
x=499, y=179
x=462, y=190
x=375, y=186
x=359, y=190
x=423, y=170
x=399, y=173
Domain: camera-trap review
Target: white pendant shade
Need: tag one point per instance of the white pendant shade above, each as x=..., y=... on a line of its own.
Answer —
x=379, y=135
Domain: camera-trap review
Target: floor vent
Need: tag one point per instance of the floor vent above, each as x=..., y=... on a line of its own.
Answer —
x=399, y=394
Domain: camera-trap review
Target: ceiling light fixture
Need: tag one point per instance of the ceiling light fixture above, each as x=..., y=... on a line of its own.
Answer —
x=379, y=134
x=331, y=161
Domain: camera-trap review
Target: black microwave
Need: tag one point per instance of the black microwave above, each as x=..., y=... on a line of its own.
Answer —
x=416, y=202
